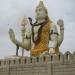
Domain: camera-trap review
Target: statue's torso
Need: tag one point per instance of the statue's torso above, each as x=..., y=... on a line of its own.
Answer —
x=44, y=40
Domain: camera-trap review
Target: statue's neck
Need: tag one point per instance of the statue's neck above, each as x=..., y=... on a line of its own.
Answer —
x=41, y=21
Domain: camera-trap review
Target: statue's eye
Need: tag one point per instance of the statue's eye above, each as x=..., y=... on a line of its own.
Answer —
x=39, y=9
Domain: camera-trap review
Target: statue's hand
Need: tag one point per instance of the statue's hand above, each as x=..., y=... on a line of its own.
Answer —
x=44, y=53
x=12, y=35
x=51, y=51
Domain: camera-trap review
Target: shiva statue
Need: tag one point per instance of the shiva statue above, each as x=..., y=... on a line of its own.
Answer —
x=42, y=36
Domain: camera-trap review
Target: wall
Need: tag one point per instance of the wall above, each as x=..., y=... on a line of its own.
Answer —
x=63, y=64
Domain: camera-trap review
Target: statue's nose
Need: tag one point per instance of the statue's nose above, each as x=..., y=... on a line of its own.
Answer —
x=38, y=13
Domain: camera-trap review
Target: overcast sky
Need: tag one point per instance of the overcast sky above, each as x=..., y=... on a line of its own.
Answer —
x=11, y=12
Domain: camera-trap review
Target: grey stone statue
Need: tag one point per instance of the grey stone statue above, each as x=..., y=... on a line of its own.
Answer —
x=41, y=36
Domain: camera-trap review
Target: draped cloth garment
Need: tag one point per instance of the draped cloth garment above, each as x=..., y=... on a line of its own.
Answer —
x=44, y=41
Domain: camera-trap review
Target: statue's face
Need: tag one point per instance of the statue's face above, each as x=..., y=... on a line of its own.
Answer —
x=40, y=13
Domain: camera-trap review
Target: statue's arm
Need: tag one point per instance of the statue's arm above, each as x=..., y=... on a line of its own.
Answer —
x=22, y=44
x=19, y=43
x=53, y=36
x=60, y=25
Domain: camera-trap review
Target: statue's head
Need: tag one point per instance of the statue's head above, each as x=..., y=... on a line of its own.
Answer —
x=41, y=11
x=24, y=21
